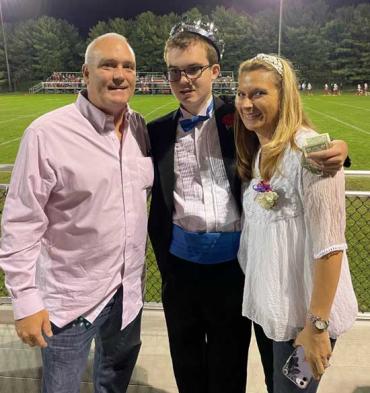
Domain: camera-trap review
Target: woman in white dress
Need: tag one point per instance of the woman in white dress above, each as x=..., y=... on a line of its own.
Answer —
x=293, y=250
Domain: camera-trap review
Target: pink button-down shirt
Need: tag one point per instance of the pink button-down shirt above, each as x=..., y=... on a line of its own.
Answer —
x=74, y=225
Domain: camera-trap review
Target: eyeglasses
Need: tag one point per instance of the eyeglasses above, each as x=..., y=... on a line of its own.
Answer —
x=192, y=72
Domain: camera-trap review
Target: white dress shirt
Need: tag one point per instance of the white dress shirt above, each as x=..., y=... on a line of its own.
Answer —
x=202, y=196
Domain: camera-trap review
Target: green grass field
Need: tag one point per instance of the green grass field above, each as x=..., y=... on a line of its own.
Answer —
x=343, y=117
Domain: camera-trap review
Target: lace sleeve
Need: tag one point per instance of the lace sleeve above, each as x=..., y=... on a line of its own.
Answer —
x=325, y=216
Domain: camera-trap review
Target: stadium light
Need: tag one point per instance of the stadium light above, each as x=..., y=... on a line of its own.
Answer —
x=5, y=48
x=280, y=22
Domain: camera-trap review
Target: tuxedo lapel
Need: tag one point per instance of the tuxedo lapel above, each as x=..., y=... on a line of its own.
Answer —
x=224, y=114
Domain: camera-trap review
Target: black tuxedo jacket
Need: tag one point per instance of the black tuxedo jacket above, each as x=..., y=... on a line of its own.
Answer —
x=162, y=134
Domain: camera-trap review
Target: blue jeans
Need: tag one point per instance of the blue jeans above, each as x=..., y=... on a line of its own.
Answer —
x=65, y=358
x=282, y=351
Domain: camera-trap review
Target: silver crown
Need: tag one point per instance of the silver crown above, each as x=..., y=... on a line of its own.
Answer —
x=205, y=30
x=274, y=61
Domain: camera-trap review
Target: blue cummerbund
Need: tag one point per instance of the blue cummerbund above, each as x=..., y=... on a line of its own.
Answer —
x=206, y=247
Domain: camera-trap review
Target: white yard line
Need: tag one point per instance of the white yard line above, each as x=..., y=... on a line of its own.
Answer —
x=21, y=117
x=352, y=106
x=10, y=141
x=339, y=121
x=157, y=109
x=57, y=99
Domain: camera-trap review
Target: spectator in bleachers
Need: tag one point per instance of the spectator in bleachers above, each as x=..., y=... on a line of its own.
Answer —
x=64, y=82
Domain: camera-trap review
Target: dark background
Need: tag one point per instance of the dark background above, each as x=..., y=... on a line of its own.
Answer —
x=85, y=13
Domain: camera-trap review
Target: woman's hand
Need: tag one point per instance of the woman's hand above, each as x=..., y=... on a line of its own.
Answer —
x=317, y=348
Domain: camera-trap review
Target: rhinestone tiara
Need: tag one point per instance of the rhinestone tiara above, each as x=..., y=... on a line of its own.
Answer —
x=205, y=30
x=274, y=61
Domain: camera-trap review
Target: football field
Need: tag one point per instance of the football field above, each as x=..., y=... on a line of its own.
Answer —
x=343, y=117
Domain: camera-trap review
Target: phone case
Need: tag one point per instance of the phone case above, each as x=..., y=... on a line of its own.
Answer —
x=297, y=369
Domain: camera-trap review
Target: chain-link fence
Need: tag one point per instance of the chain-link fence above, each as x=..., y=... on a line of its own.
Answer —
x=2, y=199
x=358, y=239
x=153, y=278
x=357, y=234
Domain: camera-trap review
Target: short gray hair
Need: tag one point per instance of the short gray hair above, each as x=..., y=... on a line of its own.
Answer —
x=91, y=46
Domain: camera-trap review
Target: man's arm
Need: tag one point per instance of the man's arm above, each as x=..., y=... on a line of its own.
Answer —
x=332, y=159
x=24, y=223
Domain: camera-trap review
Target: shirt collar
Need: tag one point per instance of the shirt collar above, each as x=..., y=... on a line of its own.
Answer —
x=203, y=112
x=101, y=121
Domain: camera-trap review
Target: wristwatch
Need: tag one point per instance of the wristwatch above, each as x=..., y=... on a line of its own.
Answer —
x=319, y=323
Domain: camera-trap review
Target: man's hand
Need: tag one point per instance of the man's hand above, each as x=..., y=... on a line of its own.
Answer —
x=30, y=329
x=332, y=159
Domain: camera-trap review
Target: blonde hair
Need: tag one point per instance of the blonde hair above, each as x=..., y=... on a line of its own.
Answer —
x=290, y=118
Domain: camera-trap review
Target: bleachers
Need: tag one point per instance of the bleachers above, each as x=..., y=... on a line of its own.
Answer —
x=60, y=82
x=156, y=83
x=146, y=83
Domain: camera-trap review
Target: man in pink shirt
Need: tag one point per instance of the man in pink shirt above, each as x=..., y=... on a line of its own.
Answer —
x=74, y=227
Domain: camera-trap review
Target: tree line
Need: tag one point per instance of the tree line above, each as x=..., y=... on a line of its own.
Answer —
x=324, y=45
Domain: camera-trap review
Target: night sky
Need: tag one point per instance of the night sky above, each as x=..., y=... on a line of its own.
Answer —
x=86, y=13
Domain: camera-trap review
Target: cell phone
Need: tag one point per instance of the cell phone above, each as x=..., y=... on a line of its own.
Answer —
x=297, y=369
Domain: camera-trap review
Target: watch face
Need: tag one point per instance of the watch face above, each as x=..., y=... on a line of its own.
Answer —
x=321, y=325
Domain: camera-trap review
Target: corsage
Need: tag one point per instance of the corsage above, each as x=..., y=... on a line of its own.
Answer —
x=266, y=197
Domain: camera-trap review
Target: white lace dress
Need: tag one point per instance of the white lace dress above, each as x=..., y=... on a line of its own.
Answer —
x=278, y=247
